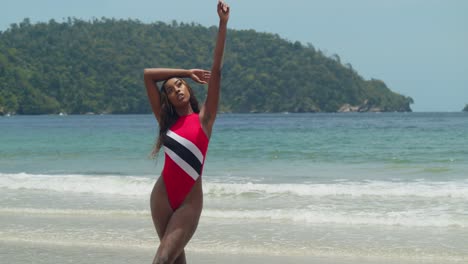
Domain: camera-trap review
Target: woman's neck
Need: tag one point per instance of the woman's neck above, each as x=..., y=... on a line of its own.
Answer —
x=183, y=111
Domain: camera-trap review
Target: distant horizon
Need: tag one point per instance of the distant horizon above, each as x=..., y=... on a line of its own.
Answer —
x=418, y=48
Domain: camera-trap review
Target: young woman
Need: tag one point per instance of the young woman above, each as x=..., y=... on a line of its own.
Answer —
x=184, y=133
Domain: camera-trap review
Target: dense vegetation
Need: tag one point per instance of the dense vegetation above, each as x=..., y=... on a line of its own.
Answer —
x=96, y=66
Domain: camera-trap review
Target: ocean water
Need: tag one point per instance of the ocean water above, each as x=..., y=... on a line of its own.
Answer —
x=388, y=185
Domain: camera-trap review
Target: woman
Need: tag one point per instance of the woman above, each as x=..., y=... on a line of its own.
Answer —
x=185, y=130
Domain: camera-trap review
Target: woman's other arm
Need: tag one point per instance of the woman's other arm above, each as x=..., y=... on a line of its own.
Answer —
x=154, y=75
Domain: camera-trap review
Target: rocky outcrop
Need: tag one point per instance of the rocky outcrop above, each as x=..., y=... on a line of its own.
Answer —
x=364, y=107
x=346, y=108
x=466, y=108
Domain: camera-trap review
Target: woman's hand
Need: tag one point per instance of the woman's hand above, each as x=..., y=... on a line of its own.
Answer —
x=200, y=76
x=223, y=11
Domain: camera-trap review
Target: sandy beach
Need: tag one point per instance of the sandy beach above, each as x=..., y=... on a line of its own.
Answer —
x=21, y=252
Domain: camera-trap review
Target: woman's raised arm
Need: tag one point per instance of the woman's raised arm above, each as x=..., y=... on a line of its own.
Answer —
x=210, y=108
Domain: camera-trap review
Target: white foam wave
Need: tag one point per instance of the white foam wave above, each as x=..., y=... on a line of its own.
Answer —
x=408, y=219
x=73, y=212
x=142, y=186
x=309, y=216
x=355, y=189
x=34, y=239
x=120, y=185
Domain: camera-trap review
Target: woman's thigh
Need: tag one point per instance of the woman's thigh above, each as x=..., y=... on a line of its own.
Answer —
x=161, y=210
x=183, y=223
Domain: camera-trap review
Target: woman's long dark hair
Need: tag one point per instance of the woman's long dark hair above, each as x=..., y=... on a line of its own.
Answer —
x=169, y=116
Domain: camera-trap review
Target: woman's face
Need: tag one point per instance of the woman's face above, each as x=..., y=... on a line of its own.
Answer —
x=177, y=92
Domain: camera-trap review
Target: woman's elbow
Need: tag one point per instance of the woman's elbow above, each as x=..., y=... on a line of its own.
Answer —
x=147, y=74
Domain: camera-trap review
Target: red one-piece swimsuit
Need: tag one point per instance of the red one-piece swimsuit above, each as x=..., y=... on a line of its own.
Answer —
x=185, y=146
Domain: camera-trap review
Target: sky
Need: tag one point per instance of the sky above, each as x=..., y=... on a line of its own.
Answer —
x=419, y=48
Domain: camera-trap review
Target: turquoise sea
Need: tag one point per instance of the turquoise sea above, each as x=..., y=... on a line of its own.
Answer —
x=376, y=185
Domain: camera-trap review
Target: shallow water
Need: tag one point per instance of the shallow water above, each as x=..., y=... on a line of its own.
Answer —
x=345, y=185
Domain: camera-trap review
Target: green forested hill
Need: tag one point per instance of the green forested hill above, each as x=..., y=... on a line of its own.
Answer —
x=97, y=66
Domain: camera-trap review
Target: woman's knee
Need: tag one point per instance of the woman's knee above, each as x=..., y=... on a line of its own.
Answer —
x=164, y=258
x=181, y=259
x=167, y=253
x=159, y=259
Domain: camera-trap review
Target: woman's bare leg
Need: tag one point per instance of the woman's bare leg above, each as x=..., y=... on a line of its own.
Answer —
x=175, y=228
